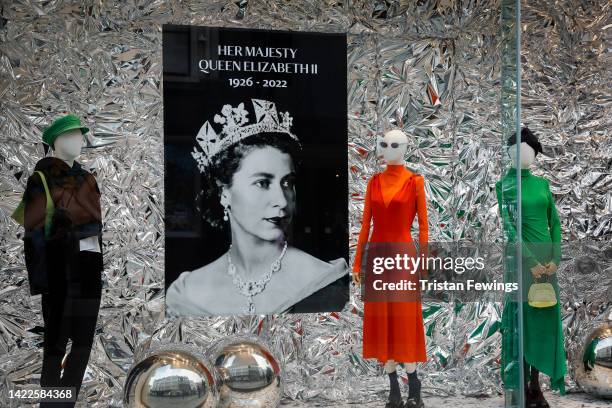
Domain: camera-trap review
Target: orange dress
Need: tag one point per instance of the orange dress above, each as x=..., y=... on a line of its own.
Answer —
x=393, y=330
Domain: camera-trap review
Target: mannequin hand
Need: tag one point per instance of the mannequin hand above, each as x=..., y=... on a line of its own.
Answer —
x=551, y=268
x=538, y=270
x=356, y=278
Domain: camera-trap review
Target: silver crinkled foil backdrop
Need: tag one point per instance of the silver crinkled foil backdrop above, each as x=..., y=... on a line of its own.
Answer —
x=430, y=67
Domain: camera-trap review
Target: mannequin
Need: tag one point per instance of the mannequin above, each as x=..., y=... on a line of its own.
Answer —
x=68, y=147
x=541, y=233
x=393, y=331
x=71, y=253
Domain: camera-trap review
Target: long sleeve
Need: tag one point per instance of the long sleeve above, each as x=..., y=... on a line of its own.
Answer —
x=509, y=227
x=364, y=234
x=88, y=197
x=421, y=208
x=34, y=243
x=35, y=203
x=555, y=227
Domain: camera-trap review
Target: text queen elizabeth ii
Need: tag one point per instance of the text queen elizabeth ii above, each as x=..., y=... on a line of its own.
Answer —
x=250, y=169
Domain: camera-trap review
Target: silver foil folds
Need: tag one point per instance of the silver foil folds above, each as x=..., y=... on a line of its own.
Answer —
x=429, y=67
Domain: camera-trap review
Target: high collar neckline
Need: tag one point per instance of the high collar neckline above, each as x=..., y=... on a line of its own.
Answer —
x=524, y=172
x=395, y=168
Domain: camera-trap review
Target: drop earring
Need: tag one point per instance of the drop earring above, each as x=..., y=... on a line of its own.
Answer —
x=225, y=213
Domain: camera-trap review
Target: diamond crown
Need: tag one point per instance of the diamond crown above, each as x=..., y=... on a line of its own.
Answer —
x=236, y=128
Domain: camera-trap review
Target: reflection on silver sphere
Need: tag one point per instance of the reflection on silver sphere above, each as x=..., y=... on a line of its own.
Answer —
x=593, y=367
x=173, y=376
x=251, y=375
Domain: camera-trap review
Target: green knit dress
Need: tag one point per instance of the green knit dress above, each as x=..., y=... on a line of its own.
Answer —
x=541, y=231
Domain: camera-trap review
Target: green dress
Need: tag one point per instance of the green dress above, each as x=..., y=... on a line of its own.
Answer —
x=541, y=231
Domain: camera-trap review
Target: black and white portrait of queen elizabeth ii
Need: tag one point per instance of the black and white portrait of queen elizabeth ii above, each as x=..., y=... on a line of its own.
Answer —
x=250, y=168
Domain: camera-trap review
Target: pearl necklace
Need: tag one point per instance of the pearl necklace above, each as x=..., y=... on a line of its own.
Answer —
x=252, y=288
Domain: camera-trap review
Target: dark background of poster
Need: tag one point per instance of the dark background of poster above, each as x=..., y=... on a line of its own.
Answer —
x=318, y=106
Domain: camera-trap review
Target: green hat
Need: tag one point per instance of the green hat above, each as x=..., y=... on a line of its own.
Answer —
x=60, y=126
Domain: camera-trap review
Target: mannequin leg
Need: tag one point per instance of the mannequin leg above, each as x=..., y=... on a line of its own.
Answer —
x=82, y=312
x=57, y=326
x=395, y=396
x=390, y=366
x=535, y=391
x=414, y=387
x=55, y=343
x=55, y=339
x=82, y=335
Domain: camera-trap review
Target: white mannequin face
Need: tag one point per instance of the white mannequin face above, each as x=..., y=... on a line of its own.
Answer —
x=393, y=147
x=527, y=155
x=68, y=145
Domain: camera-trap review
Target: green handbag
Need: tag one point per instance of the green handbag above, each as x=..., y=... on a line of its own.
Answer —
x=542, y=295
x=19, y=213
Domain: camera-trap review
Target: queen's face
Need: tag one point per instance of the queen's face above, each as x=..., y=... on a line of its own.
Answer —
x=262, y=194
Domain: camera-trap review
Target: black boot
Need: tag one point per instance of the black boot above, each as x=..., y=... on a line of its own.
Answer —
x=395, y=395
x=414, y=394
x=536, y=395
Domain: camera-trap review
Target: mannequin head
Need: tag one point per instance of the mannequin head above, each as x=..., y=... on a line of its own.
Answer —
x=393, y=147
x=65, y=136
x=68, y=145
x=527, y=155
x=530, y=147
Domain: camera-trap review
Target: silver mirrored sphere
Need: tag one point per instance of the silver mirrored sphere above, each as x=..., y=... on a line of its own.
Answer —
x=172, y=376
x=251, y=374
x=593, y=366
